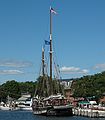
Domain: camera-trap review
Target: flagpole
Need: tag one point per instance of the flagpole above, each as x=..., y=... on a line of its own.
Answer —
x=50, y=44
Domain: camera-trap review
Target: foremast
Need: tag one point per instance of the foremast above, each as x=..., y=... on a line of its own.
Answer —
x=43, y=63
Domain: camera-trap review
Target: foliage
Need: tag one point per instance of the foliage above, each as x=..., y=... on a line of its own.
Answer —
x=86, y=86
x=15, y=89
x=10, y=88
x=27, y=87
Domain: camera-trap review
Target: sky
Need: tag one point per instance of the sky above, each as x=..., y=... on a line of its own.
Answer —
x=78, y=36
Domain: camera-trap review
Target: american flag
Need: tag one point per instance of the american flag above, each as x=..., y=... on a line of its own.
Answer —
x=53, y=11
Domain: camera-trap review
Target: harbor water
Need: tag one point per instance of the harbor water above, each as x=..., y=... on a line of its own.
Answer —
x=25, y=115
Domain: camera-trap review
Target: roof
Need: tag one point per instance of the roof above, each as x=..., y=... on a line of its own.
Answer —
x=93, y=102
x=22, y=99
x=59, y=96
x=84, y=102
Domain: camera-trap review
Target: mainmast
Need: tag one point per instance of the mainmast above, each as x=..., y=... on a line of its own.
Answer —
x=50, y=44
x=51, y=11
x=51, y=88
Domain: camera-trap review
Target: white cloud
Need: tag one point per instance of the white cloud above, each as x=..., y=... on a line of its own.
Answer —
x=14, y=63
x=10, y=72
x=73, y=70
x=100, y=66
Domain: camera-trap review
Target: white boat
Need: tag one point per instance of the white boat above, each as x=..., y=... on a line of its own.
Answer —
x=9, y=105
x=5, y=108
x=24, y=107
x=25, y=102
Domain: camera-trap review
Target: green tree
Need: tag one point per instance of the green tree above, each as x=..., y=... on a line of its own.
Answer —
x=87, y=86
x=27, y=87
x=10, y=88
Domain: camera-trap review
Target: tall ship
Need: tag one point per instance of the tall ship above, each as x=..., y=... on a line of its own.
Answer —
x=49, y=99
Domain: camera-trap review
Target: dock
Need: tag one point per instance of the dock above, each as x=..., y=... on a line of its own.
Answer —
x=89, y=112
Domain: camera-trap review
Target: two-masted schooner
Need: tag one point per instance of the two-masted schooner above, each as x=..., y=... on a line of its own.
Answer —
x=48, y=101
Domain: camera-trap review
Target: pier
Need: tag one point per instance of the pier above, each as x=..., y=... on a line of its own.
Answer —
x=89, y=112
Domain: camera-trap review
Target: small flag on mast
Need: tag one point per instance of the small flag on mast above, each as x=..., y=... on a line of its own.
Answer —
x=52, y=10
x=47, y=42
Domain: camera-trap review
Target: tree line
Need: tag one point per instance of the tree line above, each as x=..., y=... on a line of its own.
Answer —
x=14, y=89
x=42, y=88
x=86, y=86
x=90, y=85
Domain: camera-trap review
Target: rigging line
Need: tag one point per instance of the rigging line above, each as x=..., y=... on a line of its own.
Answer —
x=46, y=63
x=40, y=68
x=57, y=65
x=55, y=53
x=56, y=69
